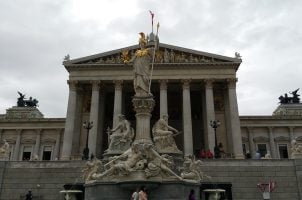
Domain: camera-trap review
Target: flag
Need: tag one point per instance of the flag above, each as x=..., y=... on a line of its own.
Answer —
x=152, y=16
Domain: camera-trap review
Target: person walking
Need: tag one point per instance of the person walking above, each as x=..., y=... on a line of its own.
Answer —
x=135, y=194
x=192, y=195
x=142, y=194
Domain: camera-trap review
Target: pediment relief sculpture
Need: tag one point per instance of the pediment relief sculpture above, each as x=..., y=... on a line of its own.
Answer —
x=162, y=55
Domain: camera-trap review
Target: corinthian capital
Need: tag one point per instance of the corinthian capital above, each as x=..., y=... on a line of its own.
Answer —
x=231, y=82
x=209, y=82
x=118, y=84
x=163, y=84
x=72, y=84
x=186, y=83
x=95, y=85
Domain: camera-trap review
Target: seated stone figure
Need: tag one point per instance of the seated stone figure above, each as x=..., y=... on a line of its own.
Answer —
x=295, y=147
x=121, y=136
x=163, y=136
x=4, y=150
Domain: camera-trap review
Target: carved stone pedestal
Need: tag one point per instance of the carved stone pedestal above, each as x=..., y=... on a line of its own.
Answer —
x=296, y=155
x=175, y=190
x=143, y=107
x=23, y=113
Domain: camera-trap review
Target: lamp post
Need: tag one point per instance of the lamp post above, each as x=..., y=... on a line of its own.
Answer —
x=215, y=124
x=87, y=126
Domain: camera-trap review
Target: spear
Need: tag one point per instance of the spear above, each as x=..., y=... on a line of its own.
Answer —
x=157, y=27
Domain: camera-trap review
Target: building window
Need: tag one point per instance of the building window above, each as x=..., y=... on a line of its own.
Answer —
x=47, y=150
x=283, y=152
x=26, y=153
x=262, y=149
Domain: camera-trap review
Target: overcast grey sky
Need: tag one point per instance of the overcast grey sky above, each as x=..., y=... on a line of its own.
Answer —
x=35, y=35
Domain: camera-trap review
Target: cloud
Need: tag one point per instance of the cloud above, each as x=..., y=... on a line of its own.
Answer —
x=35, y=36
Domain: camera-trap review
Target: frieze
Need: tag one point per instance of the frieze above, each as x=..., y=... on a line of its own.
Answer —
x=244, y=139
x=163, y=55
x=282, y=139
x=261, y=139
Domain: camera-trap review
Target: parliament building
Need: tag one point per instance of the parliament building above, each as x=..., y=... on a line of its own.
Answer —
x=192, y=87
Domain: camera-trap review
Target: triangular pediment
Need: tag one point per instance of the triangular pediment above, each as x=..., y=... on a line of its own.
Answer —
x=165, y=54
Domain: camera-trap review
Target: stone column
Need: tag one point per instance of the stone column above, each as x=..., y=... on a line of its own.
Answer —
x=17, y=146
x=291, y=132
x=210, y=114
x=272, y=142
x=187, y=119
x=143, y=107
x=251, y=141
x=1, y=130
x=99, y=147
x=37, y=145
x=163, y=98
x=234, y=116
x=94, y=117
x=56, y=152
x=70, y=120
x=117, y=101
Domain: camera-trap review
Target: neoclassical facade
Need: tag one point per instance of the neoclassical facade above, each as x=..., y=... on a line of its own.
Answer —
x=191, y=87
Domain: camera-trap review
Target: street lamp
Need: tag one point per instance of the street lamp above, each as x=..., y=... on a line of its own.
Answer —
x=215, y=124
x=87, y=126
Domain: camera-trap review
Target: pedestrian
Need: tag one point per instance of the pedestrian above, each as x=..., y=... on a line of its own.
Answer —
x=202, y=154
x=209, y=154
x=192, y=195
x=29, y=196
x=135, y=195
x=143, y=194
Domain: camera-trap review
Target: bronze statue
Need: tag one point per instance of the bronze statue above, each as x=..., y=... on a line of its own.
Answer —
x=295, y=98
x=21, y=102
x=287, y=100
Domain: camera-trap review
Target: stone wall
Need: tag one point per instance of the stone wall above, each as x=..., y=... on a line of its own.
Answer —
x=246, y=174
x=19, y=177
x=16, y=178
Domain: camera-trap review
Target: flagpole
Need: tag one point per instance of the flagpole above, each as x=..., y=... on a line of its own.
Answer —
x=152, y=64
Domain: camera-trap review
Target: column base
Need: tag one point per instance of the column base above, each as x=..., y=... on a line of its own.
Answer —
x=239, y=156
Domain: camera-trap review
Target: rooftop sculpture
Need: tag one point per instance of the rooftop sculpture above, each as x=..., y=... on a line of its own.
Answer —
x=22, y=102
x=290, y=100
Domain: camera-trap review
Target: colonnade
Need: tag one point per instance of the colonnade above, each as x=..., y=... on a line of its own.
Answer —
x=73, y=114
